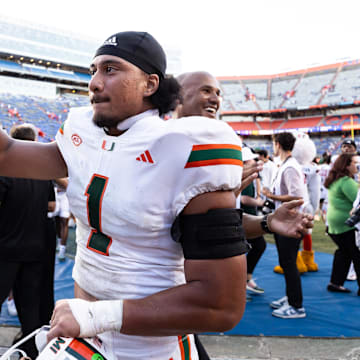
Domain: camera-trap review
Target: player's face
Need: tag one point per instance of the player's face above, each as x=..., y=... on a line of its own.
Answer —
x=116, y=90
x=201, y=96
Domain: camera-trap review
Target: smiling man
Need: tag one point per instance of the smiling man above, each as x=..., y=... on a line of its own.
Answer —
x=200, y=96
x=144, y=192
x=200, y=93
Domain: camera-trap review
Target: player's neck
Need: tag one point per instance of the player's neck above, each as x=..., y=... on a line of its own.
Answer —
x=113, y=131
x=127, y=123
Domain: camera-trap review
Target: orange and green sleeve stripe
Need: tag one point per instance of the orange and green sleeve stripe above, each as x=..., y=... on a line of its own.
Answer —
x=185, y=347
x=61, y=129
x=214, y=154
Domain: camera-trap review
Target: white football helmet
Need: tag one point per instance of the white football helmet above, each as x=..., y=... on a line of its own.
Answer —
x=60, y=348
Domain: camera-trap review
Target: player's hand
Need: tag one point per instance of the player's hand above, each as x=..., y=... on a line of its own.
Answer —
x=288, y=221
x=250, y=173
x=266, y=191
x=260, y=201
x=63, y=322
x=251, y=168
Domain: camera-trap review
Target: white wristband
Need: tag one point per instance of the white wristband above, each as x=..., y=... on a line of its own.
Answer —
x=97, y=317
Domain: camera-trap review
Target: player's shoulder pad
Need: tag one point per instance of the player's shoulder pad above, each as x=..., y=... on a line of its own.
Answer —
x=200, y=129
x=195, y=132
x=197, y=141
x=199, y=125
x=78, y=125
x=79, y=116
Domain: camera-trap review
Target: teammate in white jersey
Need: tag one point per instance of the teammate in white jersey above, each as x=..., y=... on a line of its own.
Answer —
x=201, y=96
x=136, y=184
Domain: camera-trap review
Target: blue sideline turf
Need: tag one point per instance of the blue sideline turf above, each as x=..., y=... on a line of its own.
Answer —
x=328, y=314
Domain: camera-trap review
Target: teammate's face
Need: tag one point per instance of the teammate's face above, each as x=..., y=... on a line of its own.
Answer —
x=116, y=90
x=201, y=96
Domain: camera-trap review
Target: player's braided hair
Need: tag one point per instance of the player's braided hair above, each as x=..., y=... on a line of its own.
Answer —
x=167, y=96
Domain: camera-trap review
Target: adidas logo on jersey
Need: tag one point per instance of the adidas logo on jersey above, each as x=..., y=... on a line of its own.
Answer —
x=110, y=41
x=145, y=157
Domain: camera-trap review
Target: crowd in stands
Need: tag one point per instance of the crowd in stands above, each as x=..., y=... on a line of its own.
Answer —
x=46, y=114
x=330, y=85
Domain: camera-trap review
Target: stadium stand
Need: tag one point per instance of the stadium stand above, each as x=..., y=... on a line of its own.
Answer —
x=305, y=122
x=319, y=100
x=44, y=72
x=309, y=89
x=47, y=115
x=329, y=84
x=346, y=87
x=32, y=40
x=282, y=91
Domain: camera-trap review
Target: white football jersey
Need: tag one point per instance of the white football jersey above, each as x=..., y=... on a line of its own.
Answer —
x=126, y=192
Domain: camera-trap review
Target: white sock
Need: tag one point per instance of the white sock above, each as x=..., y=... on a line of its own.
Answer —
x=62, y=249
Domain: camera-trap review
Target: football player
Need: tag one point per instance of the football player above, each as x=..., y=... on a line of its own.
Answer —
x=152, y=200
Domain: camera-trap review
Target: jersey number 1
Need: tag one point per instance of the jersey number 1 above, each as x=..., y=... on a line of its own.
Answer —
x=97, y=241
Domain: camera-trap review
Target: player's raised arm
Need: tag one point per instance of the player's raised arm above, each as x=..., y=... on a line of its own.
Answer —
x=30, y=159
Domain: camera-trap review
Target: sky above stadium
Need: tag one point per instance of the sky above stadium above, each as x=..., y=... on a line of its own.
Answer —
x=224, y=37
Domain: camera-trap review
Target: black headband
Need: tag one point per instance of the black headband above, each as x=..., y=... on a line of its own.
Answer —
x=138, y=48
